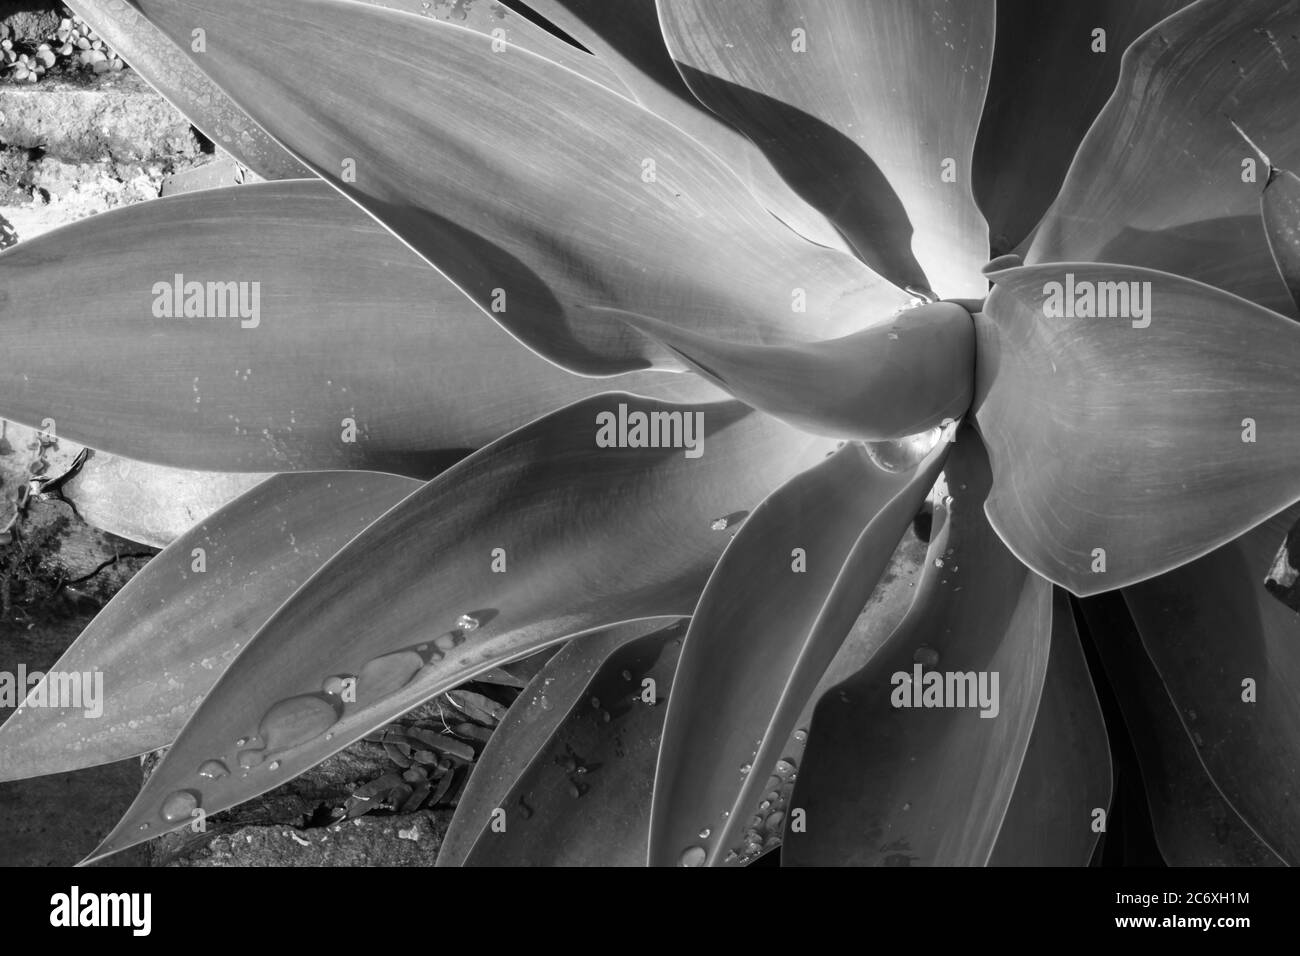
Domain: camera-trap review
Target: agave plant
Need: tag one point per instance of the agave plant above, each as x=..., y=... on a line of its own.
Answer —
x=567, y=326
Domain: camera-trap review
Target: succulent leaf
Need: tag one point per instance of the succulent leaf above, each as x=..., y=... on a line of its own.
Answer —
x=1163, y=180
x=1194, y=825
x=803, y=79
x=1281, y=210
x=1124, y=444
x=167, y=69
x=1066, y=774
x=1210, y=628
x=358, y=355
x=582, y=798
x=540, y=536
x=1054, y=67
x=434, y=144
x=626, y=36
x=165, y=638
x=884, y=783
x=775, y=612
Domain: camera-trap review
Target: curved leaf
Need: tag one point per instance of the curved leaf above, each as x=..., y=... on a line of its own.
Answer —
x=1052, y=73
x=588, y=537
x=1193, y=824
x=869, y=110
x=359, y=355
x=893, y=781
x=534, y=190
x=1210, y=627
x=1127, y=445
x=499, y=21
x=773, y=616
x=164, y=639
x=170, y=72
x=1162, y=180
x=888, y=381
x=151, y=504
x=556, y=691
x=626, y=36
x=584, y=798
x=1281, y=209
x=1066, y=773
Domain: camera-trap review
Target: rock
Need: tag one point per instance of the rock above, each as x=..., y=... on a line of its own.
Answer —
x=30, y=19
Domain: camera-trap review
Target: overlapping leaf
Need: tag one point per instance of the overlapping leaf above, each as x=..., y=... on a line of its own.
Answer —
x=1054, y=67
x=626, y=36
x=889, y=780
x=357, y=355
x=1162, y=180
x=1228, y=654
x=804, y=78
x=583, y=797
x=1066, y=774
x=1136, y=435
x=776, y=610
x=1281, y=210
x=536, y=191
x=166, y=637
x=537, y=537
x=1193, y=824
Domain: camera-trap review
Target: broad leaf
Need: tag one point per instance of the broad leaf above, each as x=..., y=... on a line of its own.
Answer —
x=1281, y=208
x=534, y=190
x=151, y=504
x=1193, y=824
x=1054, y=67
x=1162, y=180
x=542, y=535
x=357, y=355
x=888, y=381
x=165, y=638
x=181, y=83
x=776, y=610
x=1066, y=774
x=584, y=798
x=1132, y=436
x=869, y=110
x=556, y=691
x=889, y=777
x=1228, y=654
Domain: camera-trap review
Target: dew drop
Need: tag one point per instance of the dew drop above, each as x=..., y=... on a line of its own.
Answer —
x=545, y=702
x=178, y=805
x=801, y=736
x=925, y=656
x=273, y=765
x=785, y=768
x=144, y=826
x=295, y=721
x=775, y=820
x=938, y=562
x=745, y=768
x=467, y=623
x=384, y=675
x=595, y=702
x=704, y=834
x=248, y=759
x=718, y=524
x=627, y=675
x=213, y=769
x=693, y=856
x=241, y=742
x=336, y=684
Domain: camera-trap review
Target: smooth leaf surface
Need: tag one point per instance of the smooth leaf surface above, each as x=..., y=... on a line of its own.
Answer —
x=1125, y=446
x=1052, y=74
x=1210, y=627
x=1281, y=208
x=626, y=36
x=888, y=381
x=1162, y=180
x=584, y=800
x=361, y=355
x=1066, y=773
x=151, y=504
x=589, y=537
x=556, y=691
x=1193, y=824
x=164, y=639
x=775, y=612
x=869, y=110
x=181, y=83
x=534, y=190
x=887, y=784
